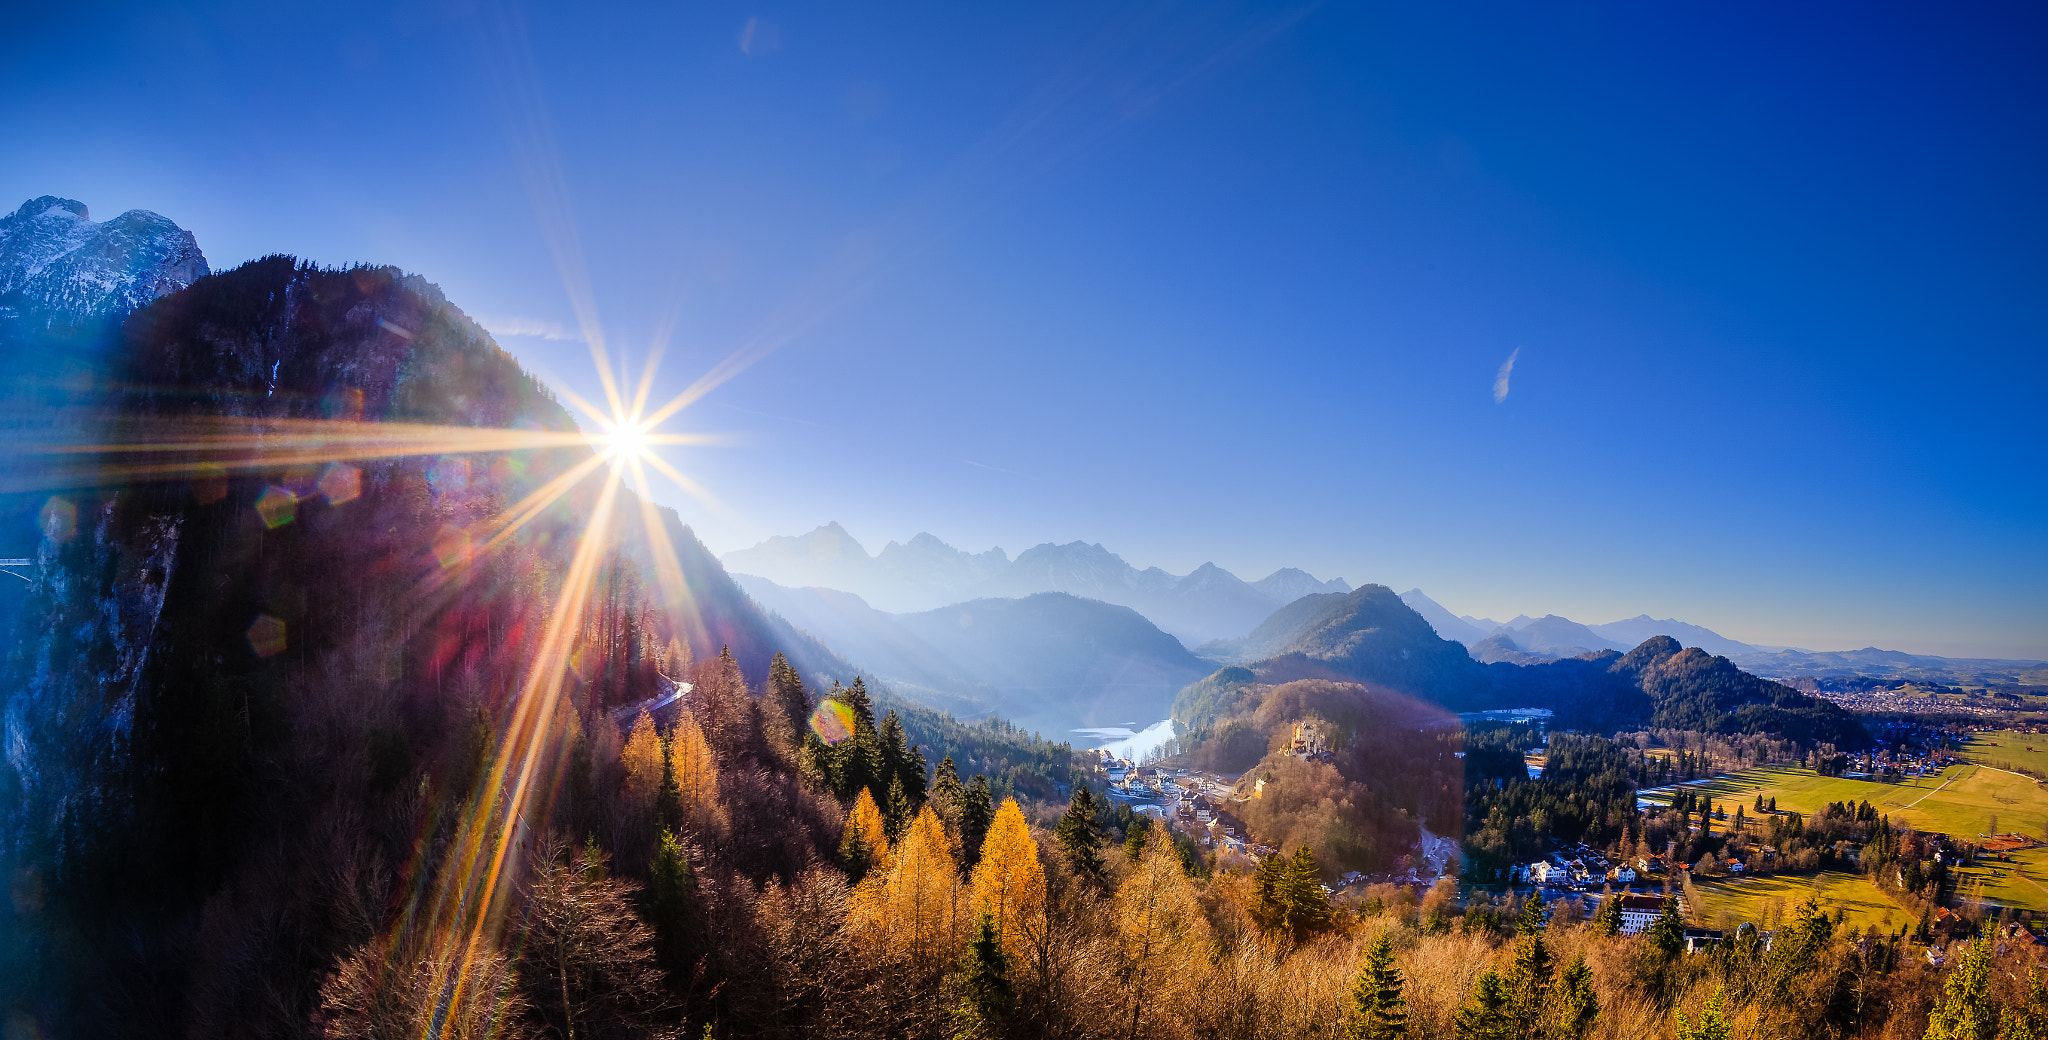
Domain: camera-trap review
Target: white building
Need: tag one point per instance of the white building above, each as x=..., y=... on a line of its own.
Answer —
x=1637, y=912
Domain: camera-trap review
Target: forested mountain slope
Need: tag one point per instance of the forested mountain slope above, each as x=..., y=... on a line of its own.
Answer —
x=1372, y=636
x=242, y=703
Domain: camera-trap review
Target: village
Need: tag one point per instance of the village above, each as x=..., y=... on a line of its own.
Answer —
x=1196, y=802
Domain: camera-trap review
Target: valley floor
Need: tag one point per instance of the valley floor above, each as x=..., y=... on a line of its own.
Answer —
x=1959, y=802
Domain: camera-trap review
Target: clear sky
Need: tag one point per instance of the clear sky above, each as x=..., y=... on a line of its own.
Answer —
x=1205, y=282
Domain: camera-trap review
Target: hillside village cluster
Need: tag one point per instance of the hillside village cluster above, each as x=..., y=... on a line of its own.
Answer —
x=1195, y=802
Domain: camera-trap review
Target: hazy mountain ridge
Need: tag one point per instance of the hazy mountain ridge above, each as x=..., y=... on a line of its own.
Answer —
x=1374, y=637
x=1050, y=661
x=926, y=573
x=1872, y=663
x=1557, y=637
x=1526, y=640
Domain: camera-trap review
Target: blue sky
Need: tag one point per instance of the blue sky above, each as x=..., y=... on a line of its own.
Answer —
x=1207, y=282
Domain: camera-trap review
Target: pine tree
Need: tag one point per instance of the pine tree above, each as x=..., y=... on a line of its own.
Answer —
x=987, y=998
x=671, y=899
x=947, y=792
x=1484, y=1015
x=1377, y=1010
x=1965, y=1010
x=1528, y=979
x=901, y=763
x=977, y=811
x=1578, y=1005
x=1667, y=932
x=2028, y=1020
x=1009, y=883
x=857, y=760
x=897, y=810
x=786, y=691
x=1608, y=921
x=1079, y=840
x=1269, y=900
x=668, y=800
x=1713, y=1023
x=1531, y=921
x=1307, y=906
x=1136, y=838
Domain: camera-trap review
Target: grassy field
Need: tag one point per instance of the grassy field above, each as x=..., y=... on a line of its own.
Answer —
x=2008, y=749
x=1960, y=802
x=1764, y=901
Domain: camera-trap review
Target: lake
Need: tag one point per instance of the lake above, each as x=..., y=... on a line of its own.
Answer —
x=1121, y=742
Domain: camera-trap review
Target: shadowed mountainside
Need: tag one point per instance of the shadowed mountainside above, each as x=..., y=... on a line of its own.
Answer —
x=1372, y=636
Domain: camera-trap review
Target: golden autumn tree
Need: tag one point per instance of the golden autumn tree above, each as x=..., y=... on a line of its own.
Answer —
x=866, y=844
x=690, y=761
x=643, y=758
x=1159, y=921
x=1009, y=882
x=907, y=910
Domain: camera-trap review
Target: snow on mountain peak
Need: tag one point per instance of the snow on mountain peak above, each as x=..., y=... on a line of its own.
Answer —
x=56, y=261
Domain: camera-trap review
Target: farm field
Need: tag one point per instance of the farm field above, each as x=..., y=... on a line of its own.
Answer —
x=2008, y=749
x=1959, y=802
x=1764, y=901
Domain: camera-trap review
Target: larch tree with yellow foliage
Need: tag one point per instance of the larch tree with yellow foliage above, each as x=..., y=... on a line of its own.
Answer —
x=907, y=910
x=1009, y=883
x=865, y=847
x=1158, y=920
x=696, y=773
x=644, y=760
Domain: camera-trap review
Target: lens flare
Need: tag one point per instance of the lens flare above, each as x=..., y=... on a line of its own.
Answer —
x=277, y=507
x=341, y=482
x=832, y=722
x=266, y=636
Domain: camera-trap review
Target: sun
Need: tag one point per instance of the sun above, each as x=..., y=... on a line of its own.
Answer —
x=627, y=440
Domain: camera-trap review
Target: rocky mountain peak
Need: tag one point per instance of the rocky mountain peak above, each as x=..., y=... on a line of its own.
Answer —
x=57, y=264
x=51, y=205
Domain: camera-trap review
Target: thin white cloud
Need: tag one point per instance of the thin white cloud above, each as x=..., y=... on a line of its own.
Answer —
x=530, y=327
x=1500, y=379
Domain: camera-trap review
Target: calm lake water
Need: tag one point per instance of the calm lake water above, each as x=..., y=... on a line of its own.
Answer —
x=1135, y=745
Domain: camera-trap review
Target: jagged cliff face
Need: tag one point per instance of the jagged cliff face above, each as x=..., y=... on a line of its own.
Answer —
x=66, y=283
x=57, y=264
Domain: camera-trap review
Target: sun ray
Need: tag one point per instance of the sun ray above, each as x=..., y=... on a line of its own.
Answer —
x=646, y=379
x=668, y=570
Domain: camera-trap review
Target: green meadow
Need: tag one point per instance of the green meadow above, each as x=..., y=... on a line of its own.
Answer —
x=2008, y=750
x=1960, y=802
x=1766, y=901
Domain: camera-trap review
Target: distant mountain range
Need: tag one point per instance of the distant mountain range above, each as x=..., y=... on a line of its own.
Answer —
x=1372, y=636
x=926, y=573
x=1048, y=661
x=1526, y=640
